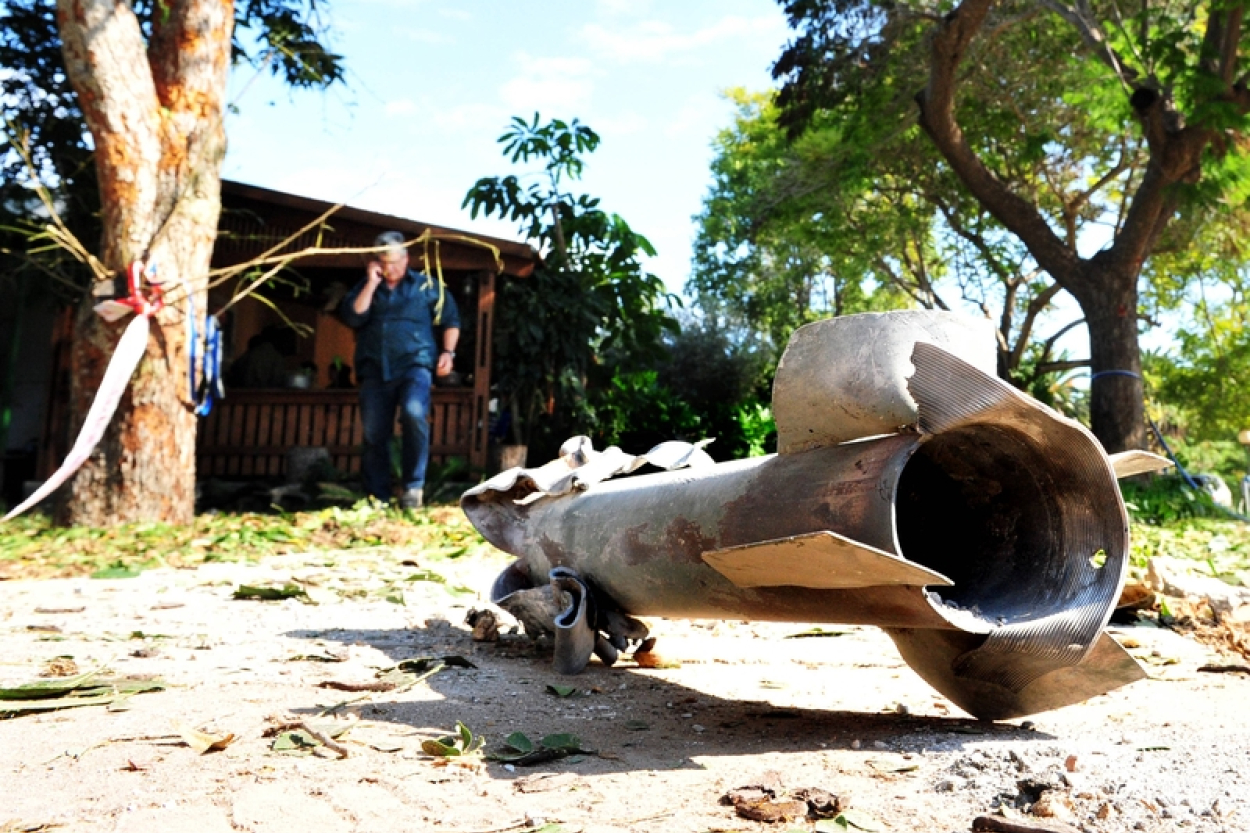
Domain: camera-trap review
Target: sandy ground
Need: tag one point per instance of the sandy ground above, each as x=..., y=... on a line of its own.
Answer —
x=841, y=713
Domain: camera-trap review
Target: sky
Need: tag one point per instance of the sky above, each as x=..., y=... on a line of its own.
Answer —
x=431, y=84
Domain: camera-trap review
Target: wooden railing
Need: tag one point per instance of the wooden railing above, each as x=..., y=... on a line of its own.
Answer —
x=249, y=433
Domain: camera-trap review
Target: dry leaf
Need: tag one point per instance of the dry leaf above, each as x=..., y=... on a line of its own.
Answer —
x=650, y=659
x=203, y=742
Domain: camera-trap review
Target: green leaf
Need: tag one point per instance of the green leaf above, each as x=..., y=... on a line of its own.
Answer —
x=426, y=575
x=439, y=749
x=859, y=820
x=561, y=741
x=520, y=742
x=815, y=632
x=117, y=570
x=270, y=594
x=834, y=825
x=561, y=690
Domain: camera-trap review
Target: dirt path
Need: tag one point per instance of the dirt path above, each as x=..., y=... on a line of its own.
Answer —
x=840, y=713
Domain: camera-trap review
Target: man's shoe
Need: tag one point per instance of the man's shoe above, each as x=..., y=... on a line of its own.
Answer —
x=411, y=499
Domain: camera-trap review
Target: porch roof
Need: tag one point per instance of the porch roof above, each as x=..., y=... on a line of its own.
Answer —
x=256, y=219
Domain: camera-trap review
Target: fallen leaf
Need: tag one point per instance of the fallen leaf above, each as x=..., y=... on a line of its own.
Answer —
x=650, y=659
x=289, y=590
x=203, y=742
x=545, y=782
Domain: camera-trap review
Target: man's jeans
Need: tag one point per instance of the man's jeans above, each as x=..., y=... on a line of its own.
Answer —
x=410, y=394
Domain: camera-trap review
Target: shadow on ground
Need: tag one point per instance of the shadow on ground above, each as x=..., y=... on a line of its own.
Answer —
x=635, y=719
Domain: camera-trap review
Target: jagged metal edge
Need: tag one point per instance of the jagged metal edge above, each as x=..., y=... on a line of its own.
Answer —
x=953, y=394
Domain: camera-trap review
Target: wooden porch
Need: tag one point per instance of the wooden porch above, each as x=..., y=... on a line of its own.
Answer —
x=249, y=433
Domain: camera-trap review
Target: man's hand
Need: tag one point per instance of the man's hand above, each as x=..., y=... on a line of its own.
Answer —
x=444, y=364
x=374, y=273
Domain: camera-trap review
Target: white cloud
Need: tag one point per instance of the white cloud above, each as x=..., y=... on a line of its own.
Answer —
x=552, y=86
x=657, y=40
x=455, y=14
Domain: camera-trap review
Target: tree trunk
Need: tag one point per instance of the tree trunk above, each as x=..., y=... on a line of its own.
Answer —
x=1117, y=413
x=155, y=113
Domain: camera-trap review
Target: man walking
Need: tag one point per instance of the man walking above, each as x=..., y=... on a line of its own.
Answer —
x=394, y=311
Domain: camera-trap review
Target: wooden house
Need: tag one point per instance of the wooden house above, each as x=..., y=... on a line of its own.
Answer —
x=249, y=433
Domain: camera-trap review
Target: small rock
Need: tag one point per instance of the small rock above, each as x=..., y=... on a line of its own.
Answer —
x=1069, y=763
x=855, y=744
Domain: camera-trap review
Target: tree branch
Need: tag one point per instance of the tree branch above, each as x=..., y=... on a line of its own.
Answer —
x=937, y=118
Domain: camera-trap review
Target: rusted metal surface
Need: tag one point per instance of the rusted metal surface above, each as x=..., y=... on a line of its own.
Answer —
x=982, y=530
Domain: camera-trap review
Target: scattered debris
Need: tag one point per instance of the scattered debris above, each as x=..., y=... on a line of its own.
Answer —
x=376, y=685
x=541, y=782
x=323, y=657
x=815, y=632
x=485, y=625
x=650, y=659
x=290, y=590
x=999, y=824
x=1235, y=668
x=58, y=610
x=203, y=742
x=301, y=736
x=400, y=677
x=768, y=801
x=1174, y=577
x=88, y=689
x=519, y=750
x=459, y=745
x=60, y=667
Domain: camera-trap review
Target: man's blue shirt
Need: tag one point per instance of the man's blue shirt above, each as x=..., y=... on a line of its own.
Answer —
x=396, y=333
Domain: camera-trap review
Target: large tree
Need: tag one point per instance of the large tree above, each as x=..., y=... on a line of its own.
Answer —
x=1168, y=75
x=149, y=84
x=858, y=214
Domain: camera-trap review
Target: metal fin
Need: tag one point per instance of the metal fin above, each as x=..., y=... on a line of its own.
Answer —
x=821, y=560
x=1129, y=463
x=935, y=655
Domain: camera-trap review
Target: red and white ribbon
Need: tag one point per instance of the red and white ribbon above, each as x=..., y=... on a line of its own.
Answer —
x=121, y=367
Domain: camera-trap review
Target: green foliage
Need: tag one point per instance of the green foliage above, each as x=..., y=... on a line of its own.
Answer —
x=591, y=309
x=31, y=547
x=704, y=386
x=1061, y=108
x=1167, y=500
x=773, y=252
x=43, y=120
x=1220, y=548
x=1207, y=376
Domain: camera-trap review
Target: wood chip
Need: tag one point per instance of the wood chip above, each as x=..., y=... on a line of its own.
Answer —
x=376, y=685
x=54, y=610
x=998, y=824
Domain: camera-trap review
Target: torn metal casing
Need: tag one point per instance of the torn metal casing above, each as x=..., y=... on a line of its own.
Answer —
x=982, y=530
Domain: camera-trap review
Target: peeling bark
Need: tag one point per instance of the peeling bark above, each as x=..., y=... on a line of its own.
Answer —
x=155, y=113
